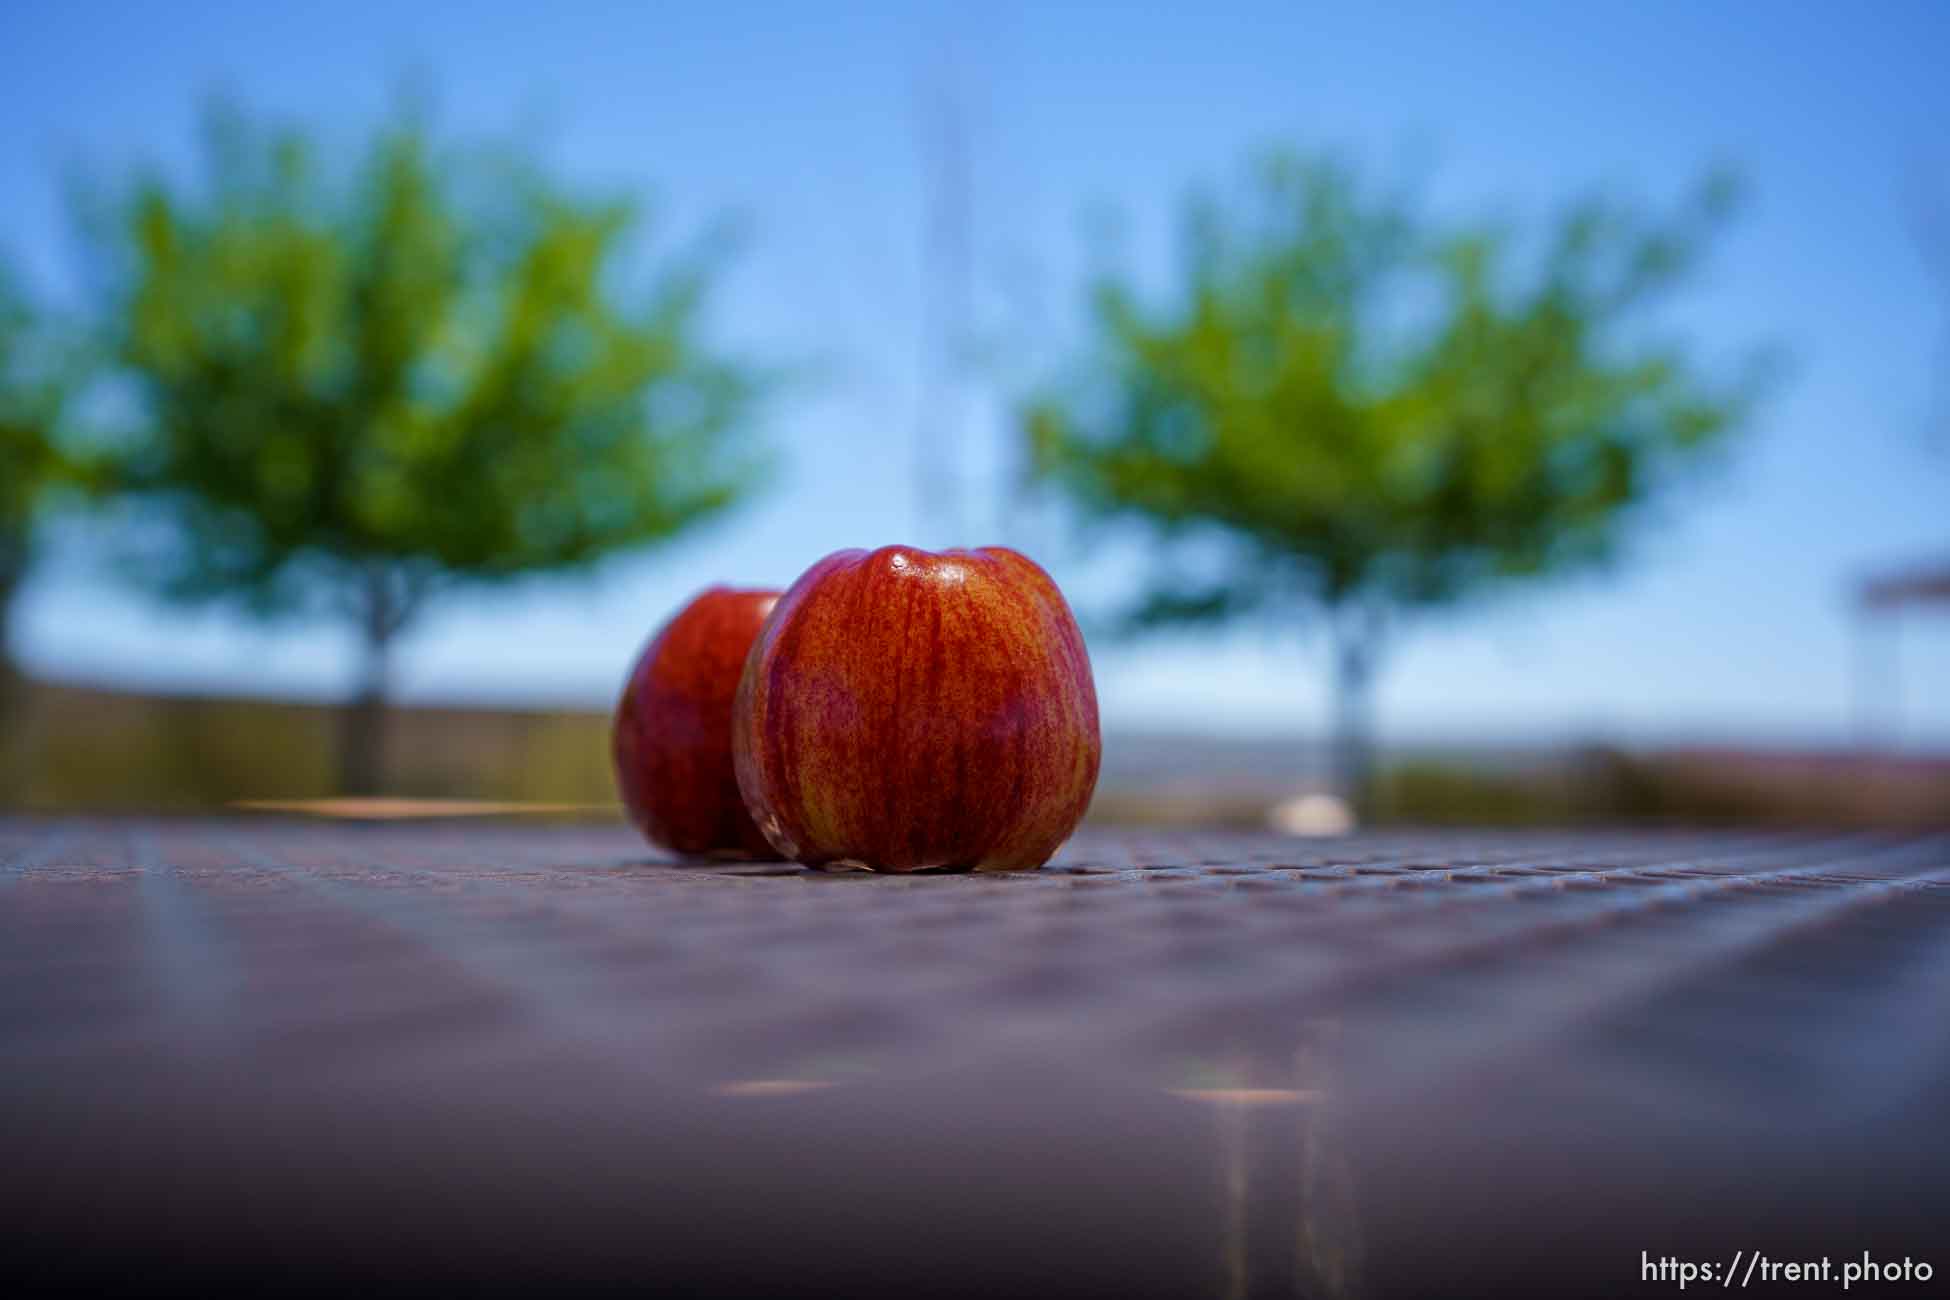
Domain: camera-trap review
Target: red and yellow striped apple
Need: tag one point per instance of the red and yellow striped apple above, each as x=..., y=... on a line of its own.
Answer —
x=904, y=710
x=671, y=739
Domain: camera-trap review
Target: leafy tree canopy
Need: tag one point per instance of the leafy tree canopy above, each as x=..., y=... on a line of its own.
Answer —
x=361, y=382
x=38, y=373
x=1379, y=409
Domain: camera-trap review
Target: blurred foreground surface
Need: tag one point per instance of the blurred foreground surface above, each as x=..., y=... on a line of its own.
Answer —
x=300, y=1055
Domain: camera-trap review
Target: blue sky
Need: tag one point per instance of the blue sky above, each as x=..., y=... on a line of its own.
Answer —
x=1729, y=624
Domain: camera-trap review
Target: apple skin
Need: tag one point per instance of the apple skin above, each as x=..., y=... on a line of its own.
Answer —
x=905, y=710
x=671, y=738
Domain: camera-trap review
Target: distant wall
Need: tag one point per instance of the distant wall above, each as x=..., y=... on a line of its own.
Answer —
x=68, y=748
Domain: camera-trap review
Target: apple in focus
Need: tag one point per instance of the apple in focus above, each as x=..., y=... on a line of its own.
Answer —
x=904, y=710
x=671, y=738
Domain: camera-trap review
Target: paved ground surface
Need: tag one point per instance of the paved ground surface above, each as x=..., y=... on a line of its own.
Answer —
x=293, y=1053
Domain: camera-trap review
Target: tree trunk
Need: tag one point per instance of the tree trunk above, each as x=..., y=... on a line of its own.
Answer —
x=362, y=727
x=384, y=606
x=8, y=588
x=1356, y=647
x=13, y=698
x=12, y=571
x=13, y=685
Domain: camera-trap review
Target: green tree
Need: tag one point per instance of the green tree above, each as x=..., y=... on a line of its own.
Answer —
x=365, y=384
x=39, y=373
x=1351, y=408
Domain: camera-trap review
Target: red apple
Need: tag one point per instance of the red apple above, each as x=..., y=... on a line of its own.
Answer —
x=672, y=735
x=904, y=710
